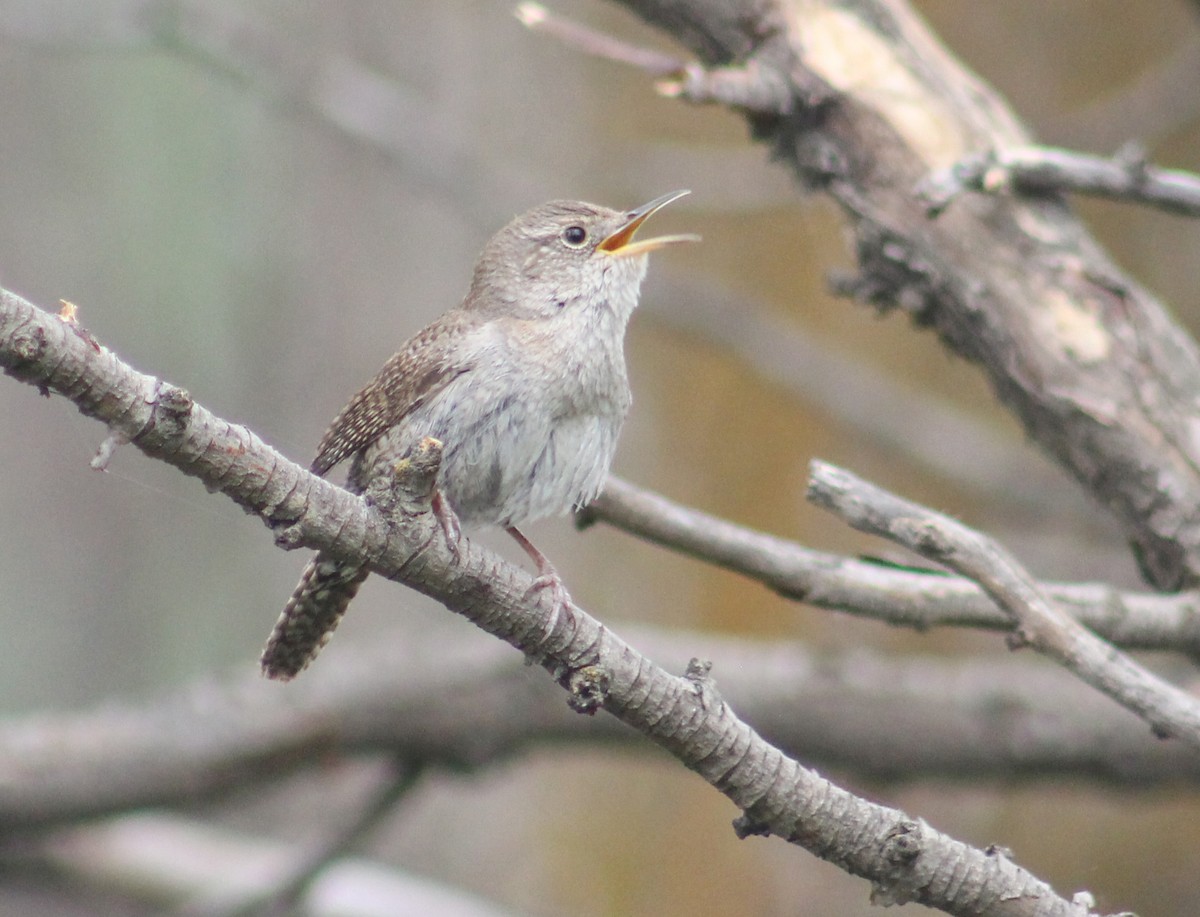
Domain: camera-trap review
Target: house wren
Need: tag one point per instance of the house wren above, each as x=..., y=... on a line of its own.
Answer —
x=524, y=384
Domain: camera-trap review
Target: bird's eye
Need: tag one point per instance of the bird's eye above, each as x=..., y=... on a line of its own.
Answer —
x=574, y=236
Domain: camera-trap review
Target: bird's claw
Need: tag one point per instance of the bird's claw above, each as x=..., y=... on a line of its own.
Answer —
x=447, y=519
x=549, y=580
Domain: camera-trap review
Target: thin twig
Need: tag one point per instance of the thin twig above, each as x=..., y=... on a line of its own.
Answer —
x=745, y=85
x=398, y=780
x=536, y=17
x=1171, y=713
x=155, y=857
x=1039, y=170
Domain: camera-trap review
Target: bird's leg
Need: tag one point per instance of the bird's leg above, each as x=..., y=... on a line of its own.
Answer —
x=547, y=577
x=447, y=520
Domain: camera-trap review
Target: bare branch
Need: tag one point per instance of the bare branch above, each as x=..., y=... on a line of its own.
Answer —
x=392, y=785
x=536, y=17
x=1171, y=712
x=169, y=861
x=902, y=597
x=1099, y=374
x=469, y=704
x=905, y=860
x=1041, y=170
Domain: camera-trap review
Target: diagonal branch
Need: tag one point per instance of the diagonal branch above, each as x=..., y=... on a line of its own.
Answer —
x=1171, y=712
x=392, y=786
x=905, y=860
x=598, y=44
x=860, y=101
x=180, y=866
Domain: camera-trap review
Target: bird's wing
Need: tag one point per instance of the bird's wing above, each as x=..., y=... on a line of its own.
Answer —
x=425, y=366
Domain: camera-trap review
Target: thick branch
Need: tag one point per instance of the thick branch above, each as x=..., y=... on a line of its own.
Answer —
x=1095, y=368
x=467, y=704
x=905, y=860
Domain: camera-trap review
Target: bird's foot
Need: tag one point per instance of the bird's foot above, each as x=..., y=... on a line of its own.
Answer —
x=448, y=520
x=547, y=578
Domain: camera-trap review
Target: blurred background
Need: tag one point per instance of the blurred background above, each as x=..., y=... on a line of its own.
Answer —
x=260, y=201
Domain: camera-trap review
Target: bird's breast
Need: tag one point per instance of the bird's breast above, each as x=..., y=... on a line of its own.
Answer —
x=527, y=433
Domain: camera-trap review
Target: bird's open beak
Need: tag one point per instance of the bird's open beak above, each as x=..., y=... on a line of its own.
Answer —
x=621, y=243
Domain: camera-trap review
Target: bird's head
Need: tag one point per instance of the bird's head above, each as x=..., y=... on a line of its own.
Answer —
x=568, y=255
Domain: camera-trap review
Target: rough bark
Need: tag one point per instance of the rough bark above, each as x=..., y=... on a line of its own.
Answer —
x=862, y=103
x=393, y=532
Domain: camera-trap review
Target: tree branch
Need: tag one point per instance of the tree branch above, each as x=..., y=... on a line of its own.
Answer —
x=905, y=860
x=1097, y=371
x=185, y=868
x=470, y=704
x=536, y=17
x=902, y=597
x=1171, y=712
x=392, y=785
x=1043, y=170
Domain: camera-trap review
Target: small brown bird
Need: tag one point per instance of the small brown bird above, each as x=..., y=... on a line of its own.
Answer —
x=523, y=383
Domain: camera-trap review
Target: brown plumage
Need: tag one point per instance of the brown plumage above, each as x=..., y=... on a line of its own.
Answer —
x=418, y=372
x=524, y=384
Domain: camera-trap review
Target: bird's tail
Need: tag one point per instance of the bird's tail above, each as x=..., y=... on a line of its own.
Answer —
x=310, y=616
